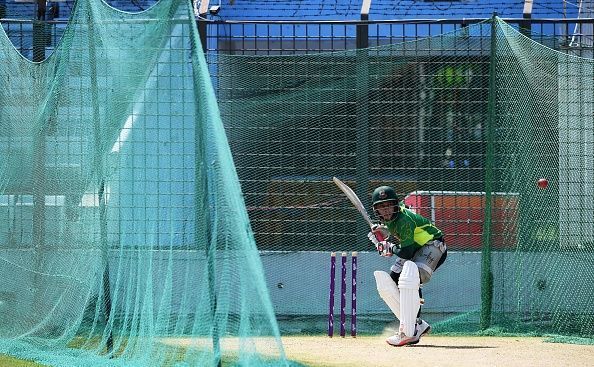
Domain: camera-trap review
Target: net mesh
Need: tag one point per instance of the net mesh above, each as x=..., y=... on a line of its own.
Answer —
x=124, y=237
x=463, y=125
x=544, y=130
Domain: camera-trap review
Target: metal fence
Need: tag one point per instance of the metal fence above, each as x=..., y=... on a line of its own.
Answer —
x=280, y=214
x=291, y=37
x=268, y=199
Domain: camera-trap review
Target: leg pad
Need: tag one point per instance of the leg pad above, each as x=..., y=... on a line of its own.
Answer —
x=409, y=297
x=388, y=290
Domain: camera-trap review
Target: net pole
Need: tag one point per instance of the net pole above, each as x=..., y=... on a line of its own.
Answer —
x=486, y=273
x=362, y=142
x=98, y=170
x=39, y=172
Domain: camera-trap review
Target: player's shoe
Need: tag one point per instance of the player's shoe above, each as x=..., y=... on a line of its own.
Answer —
x=423, y=327
x=400, y=339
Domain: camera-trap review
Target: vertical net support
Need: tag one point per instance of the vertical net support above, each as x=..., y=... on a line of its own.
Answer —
x=105, y=291
x=486, y=270
x=362, y=171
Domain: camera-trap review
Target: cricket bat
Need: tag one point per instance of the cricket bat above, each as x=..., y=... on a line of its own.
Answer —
x=350, y=194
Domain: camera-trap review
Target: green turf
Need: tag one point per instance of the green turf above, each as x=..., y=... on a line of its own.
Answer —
x=13, y=362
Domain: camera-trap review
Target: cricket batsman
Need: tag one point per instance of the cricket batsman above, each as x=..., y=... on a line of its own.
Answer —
x=419, y=249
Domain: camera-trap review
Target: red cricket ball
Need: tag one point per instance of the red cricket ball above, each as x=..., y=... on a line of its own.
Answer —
x=542, y=183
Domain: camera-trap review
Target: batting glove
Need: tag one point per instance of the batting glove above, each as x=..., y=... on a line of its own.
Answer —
x=373, y=239
x=380, y=231
x=386, y=249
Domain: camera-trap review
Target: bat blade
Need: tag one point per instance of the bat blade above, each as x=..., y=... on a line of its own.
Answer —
x=350, y=194
x=356, y=202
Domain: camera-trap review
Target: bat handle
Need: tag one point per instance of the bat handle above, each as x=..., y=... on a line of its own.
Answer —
x=380, y=237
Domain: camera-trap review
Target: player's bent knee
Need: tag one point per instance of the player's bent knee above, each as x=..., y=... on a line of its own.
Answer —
x=409, y=278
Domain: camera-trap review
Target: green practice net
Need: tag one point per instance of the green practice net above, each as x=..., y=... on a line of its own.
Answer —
x=463, y=125
x=124, y=238
x=544, y=129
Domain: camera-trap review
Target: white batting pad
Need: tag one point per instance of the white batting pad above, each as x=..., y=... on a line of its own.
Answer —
x=388, y=290
x=410, y=301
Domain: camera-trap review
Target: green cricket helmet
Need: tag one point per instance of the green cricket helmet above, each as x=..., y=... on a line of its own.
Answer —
x=383, y=194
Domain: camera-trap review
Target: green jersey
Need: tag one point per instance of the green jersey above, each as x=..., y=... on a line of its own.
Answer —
x=412, y=230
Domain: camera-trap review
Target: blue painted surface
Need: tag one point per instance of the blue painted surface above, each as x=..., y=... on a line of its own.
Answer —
x=389, y=9
x=340, y=9
x=338, y=36
x=342, y=36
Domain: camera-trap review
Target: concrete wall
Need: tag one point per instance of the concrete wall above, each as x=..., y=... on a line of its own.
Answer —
x=298, y=282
